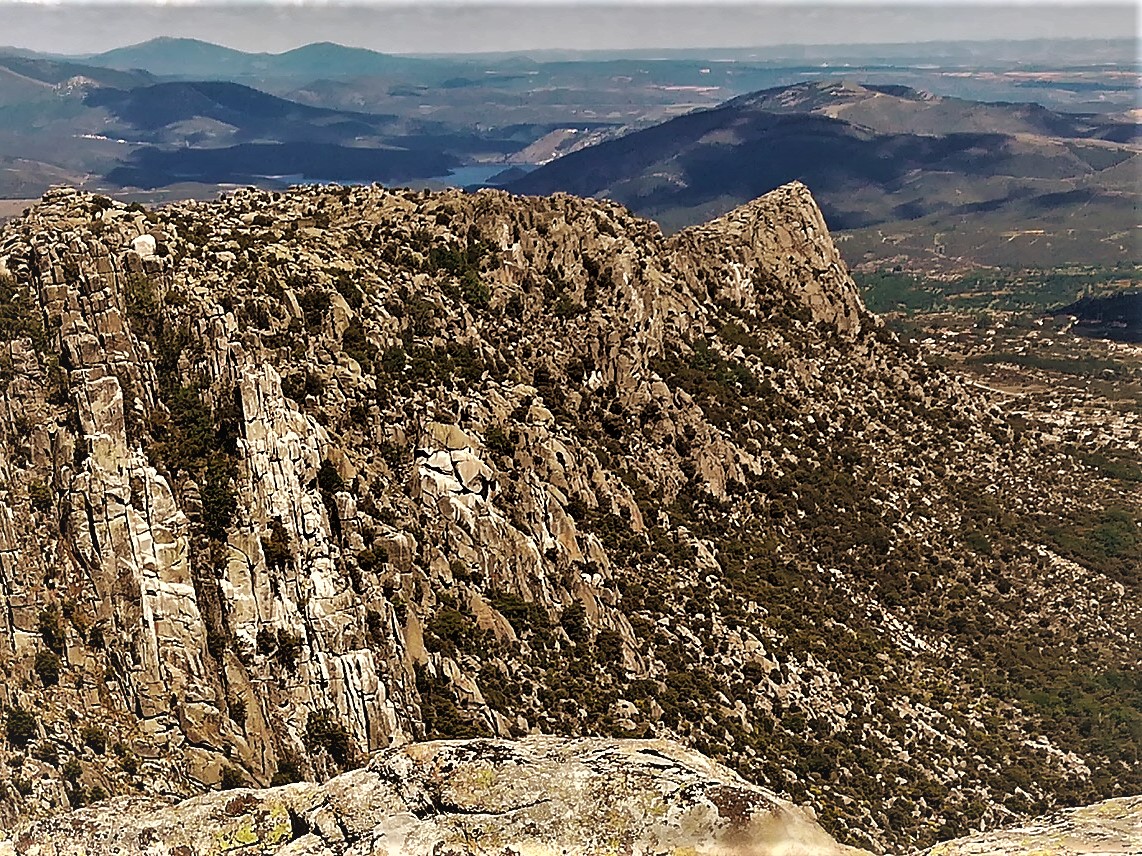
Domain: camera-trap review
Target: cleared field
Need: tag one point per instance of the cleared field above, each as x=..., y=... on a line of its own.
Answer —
x=10, y=208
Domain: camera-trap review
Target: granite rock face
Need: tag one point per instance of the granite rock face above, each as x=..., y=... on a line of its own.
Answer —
x=290, y=479
x=1108, y=827
x=541, y=796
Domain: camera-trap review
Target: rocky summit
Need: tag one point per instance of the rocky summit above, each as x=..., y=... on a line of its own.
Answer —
x=291, y=480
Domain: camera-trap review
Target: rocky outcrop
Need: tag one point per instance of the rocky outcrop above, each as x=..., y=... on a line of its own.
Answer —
x=770, y=246
x=1107, y=827
x=287, y=480
x=541, y=796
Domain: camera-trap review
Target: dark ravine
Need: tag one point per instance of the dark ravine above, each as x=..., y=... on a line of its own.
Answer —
x=290, y=479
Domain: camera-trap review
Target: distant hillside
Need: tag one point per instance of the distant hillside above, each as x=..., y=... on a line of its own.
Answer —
x=895, y=109
x=192, y=58
x=54, y=72
x=166, y=103
x=218, y=132
x=34, y=86
x=221, y=112
x=173, y=56
x=853, y=146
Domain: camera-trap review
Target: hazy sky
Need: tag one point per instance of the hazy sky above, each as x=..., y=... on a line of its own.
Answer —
x=96, y=25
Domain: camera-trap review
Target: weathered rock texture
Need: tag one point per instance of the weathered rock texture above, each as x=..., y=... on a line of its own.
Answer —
x=288, y=479
x=538, y=797
x=1107, y=827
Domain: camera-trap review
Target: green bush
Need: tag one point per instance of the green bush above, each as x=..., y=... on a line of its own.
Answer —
x=349, y=290
x=323, y=732
x=356, y=345
x=441, y=716
x=47, y=752
x=20, y=727
x=393, y=360
x=96, y=738
x=50, y=630
x=231, y=778
x=574, y=622
x=328, y=479
x=129, y=764
x=521, y=614
x=313, y=304
x=217, y=640
x=566, y=307
x=453, y=629
x=301, y=385
x=143, y=300
x=218, y=500
x=237, y=708
x=266, y=641
x=71, y=771
x=47, y=667
x=287, y=773
x=371, y=559
x=40, y=496
x=276, y=548
x=609, y=646
x=188, y=437
x=289, y=649
x=20, y=316
x=499, y=441
x=474, y=290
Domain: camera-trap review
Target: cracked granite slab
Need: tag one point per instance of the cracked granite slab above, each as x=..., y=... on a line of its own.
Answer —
x=541, y=796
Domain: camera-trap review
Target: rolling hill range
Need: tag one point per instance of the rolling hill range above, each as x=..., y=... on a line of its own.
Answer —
x=1078, y=74
x=249, y=111
x=221, y=132
x=851, y=143
x=66, y=122
x=194, y=58
x=24, y=76
x=894, y=109
x=47, y=134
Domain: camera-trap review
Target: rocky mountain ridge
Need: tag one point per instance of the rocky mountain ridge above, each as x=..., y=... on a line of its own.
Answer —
x=294, y=478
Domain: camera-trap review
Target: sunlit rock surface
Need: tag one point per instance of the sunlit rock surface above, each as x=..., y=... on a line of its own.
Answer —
x=537, y=797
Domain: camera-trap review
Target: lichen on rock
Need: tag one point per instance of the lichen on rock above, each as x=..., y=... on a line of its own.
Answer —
x=540, y=796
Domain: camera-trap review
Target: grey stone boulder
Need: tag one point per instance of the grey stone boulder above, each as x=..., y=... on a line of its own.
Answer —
x=541, y=796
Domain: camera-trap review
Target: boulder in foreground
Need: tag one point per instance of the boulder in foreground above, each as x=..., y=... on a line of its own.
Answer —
x=537, y=796
x=1110, y=826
